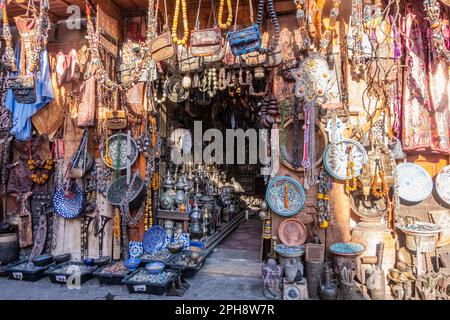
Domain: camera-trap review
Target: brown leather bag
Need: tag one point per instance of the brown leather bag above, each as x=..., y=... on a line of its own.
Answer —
x=205, y=42
x=161, y=47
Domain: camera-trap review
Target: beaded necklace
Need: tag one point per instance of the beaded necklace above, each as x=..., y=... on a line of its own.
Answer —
x=323, y=199
x=101, y=74
x=227, y=24
x=8, y=59
x=351, y=181
x=40, y=34
x=176, y=16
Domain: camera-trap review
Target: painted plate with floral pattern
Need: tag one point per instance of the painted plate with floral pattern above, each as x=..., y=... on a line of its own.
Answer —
x=285, y=196
x=414, y=183
x=443, y=184
x=335, y=158
x=154, y=239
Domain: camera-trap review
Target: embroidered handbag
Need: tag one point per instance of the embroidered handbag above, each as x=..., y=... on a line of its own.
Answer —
x=245, y=40
x=218, y=56
x=23, y=89
x=248, y=39
x=205, y=42
x=69, y=200
x=186, y=62
x=161, y=47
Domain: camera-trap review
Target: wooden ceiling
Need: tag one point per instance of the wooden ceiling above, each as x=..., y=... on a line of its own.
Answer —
x=124, y=8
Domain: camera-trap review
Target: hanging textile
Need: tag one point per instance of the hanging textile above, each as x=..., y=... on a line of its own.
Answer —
x=425, y=122
x=5, y=114
x=50, y=118
x=22, y=113
x=86, y=107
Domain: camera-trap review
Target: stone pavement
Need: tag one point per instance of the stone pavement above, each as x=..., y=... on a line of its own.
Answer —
x=204, y=286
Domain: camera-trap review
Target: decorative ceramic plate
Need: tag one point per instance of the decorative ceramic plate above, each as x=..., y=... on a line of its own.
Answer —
x=292, y=232
x=69, y=207
x=443, y=184
x=154, y=239
x=419, y=228
x=347, y=248
x=136, y=249
x=414, y=183
x=285, y=196
x=289, y=251
x=335, y=158
x=117, y=145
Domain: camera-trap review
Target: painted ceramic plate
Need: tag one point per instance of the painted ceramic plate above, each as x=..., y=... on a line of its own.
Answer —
x=154, y=239
x=443, y=184
x=292, y=232
x=285, y=196
x=414, y=183
x=117, y=145
x=335, y=158
x=347, y=248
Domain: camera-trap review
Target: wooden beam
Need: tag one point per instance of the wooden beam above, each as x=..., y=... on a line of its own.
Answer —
x=111, y=8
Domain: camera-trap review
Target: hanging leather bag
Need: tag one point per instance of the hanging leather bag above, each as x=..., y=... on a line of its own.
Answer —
x=245, y=40
x=205, y=42
x=161, y=47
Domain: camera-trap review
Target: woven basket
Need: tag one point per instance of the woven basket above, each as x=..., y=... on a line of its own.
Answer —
x=118, y=189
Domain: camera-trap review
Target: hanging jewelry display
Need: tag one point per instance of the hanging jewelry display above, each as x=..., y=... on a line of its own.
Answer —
x=116, y=235
x=350, y=181
x=222, y=81
x=157, y=88
x=229, y=21
x=325, y=185
x=101, y=73
x=309, y=147
x=176, y=15
x=379, y=189
x=8, y=58
x=174, y=89
x=302, y=22
x=357, y=40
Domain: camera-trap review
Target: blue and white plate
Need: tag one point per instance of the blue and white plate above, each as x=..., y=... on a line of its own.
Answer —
x=184, y=238
x=414, y=183
x=154, y=239
x=443, y=184
x=136, y=249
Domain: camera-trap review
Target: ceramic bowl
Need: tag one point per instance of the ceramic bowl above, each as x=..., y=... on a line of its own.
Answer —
x=155, y=267
x=132, y=263
x=43, y=260
x=194, y=253
x=89, y=262
x=102, y=261
x=62, y=258
x=175, y=247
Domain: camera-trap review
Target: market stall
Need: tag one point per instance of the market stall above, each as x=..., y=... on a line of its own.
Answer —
x=136, y=136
